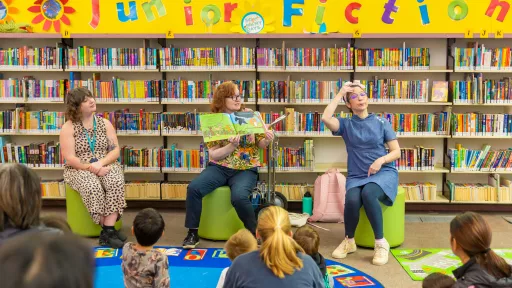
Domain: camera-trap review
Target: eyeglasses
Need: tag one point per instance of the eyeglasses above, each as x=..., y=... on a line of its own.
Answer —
x=355, y=95
x=235, y=97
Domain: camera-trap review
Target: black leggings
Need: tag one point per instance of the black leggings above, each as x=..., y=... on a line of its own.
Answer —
x=368, y=196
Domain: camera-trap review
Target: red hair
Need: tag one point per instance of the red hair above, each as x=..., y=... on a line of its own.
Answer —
x=223, y=91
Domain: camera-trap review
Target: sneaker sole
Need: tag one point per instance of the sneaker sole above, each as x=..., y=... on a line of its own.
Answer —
x=379, y=264
x=190, y=246
x=342, y=257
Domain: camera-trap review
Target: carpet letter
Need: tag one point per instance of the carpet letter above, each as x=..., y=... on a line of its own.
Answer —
x=133, y=12
x=289, y=11
x=389, y=8
x=505, y=6
x=463, y=10
x=349, y=12
x=160, y=9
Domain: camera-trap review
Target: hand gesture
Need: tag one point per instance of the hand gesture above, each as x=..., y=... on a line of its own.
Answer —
x=103, y=171
x=377, y=164
x=345, y=89
x=95, y=167
x=269, y=135
x=235, y=141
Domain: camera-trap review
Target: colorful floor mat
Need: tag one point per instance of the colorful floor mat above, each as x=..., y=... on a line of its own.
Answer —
x=419, y=263
x=201, y=268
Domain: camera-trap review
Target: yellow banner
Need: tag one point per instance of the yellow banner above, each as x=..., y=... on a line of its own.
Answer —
x=355, y=18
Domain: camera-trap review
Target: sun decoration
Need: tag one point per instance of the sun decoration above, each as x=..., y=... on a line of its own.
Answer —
x=51, y=11
x=252, y=18
x=6, y=11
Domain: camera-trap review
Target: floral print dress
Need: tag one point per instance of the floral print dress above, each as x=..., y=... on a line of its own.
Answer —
x=245, y=156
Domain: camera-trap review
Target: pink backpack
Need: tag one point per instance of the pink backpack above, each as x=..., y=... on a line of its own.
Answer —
x=329, y=198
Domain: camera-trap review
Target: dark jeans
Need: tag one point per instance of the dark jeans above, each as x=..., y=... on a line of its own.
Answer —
x=368, y=196
x=241, y=182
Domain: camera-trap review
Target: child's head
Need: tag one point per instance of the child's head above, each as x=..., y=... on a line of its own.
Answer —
x=54, y=221
x=438, y=280
x=308, y=239
x=20, y=203
x=48, y=262
x=240, y=243
x=471, y=237
x=148, y=227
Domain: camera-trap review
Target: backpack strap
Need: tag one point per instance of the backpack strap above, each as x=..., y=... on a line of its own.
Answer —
x=341, y=195
x=321, y=204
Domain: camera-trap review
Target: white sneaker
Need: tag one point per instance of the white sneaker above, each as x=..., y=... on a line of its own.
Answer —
x=381, y=254
x=346, y=247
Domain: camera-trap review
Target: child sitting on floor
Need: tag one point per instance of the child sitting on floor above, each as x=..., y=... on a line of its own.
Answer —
x=309, y=240
x=239, y=243
x=438, y=280
x=142, y=265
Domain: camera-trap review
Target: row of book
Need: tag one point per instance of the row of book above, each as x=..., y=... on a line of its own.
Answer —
x=300, y=123
x=174, y=58
x=143, y=190
x=39, y=154
x=84, y=57
x=142, y=122
x=319, y=58
x=292, y=192
x=418, y=158
x=419, y=191
x=174, y=159
x=476, y=90
x=32, y=89
x=478, y=57
x=31, y=58
x=419, y=123
x=486, y=160
x=393, y=58
x=53, y=189
x=498, y=189
x=481, y=124
x=19, y=120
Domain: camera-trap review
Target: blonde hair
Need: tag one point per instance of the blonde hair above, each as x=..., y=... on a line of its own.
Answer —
x=240, y=243
x=279, y=250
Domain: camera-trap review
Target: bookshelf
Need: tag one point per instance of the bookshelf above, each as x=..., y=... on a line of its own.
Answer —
x=329, y=151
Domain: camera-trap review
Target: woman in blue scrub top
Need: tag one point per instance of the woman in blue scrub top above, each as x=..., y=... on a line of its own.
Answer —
x=371, y=177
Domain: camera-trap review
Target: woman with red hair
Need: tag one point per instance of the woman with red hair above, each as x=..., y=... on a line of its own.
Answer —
x=233, y=162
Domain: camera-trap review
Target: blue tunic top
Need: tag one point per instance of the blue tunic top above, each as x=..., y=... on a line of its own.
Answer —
x=365, y=139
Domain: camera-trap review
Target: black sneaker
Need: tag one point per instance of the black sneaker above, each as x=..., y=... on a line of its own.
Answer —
x=109, y=238
x=121, y=235
x=191, y=240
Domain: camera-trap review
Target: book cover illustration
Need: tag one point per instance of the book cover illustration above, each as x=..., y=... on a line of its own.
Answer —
x=440, y=91
x=220, y=126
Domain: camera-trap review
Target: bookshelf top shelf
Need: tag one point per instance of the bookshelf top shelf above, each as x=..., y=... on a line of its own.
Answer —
x=210, y=70
x=113, y=70
x=304, y=70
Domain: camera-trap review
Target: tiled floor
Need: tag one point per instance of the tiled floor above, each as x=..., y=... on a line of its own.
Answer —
x=417, y=235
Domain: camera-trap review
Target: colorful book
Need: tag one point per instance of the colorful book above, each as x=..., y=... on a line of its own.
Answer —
x=219, y=126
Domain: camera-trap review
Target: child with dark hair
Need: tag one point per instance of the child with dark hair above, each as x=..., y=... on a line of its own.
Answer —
x=309, y=240
x=438, y=280
x=57, y=222
x=142, y=265
x=471, y=239
x=51, y=261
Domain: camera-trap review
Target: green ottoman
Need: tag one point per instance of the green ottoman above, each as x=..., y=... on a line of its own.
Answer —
x=219, y=219
x=394, y=222
x=78, y=217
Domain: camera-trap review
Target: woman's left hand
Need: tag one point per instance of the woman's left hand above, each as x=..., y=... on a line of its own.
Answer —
x=375, y=166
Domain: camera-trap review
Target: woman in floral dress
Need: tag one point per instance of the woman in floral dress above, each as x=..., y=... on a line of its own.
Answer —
x=233, y=162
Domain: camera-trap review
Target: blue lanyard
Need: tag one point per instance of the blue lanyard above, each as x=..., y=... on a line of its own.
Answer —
x=92, y=142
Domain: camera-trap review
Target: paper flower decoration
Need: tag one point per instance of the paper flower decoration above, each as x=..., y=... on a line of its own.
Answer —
x=51, y=12
x=6, y=11
x=251, y=18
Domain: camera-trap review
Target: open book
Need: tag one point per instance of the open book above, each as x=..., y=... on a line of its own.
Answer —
x=219, y=126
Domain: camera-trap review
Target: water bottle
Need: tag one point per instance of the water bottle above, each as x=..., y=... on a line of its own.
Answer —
x=307, y=204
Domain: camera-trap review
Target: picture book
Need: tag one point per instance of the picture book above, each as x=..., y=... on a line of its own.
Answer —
x=220, y=126
x=440, y=91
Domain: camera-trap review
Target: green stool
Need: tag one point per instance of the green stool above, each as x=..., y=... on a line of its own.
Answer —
x=79, y=218
x=394, y=222
x=219, y=219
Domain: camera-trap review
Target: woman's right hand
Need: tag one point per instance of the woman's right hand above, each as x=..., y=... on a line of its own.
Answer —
x=103, y=171
x=235, y=141
x=95, y=167
x=344, y=90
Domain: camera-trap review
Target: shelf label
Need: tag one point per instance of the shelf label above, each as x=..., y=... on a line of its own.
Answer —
x=169, y=34
x=498, y=33
x=468, y=34
x=484, y=33
x=66, y=34
x=357, y=33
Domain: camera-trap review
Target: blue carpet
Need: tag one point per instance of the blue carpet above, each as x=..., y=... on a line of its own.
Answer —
x=201, y=268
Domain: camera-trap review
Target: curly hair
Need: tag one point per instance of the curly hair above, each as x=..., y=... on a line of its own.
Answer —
x=223, y=91
x=74, y=100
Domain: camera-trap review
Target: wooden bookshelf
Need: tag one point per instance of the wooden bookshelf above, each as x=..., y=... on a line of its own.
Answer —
x=483, y=105
x=431, y=70
x=458, y=70
x=480, y=172
x=211, y=70
x=481, y=137
x=369, y=104
x=440, y=199
x=100, y=70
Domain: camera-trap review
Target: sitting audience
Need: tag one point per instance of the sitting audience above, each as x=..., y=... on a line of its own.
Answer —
x=309, y=240
x=239, y=243
x=142, y=265
x=438, y=280
x=279, y=263
x=20, y=202
x=471, y=240
x=51, y=261
x=57, y=222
